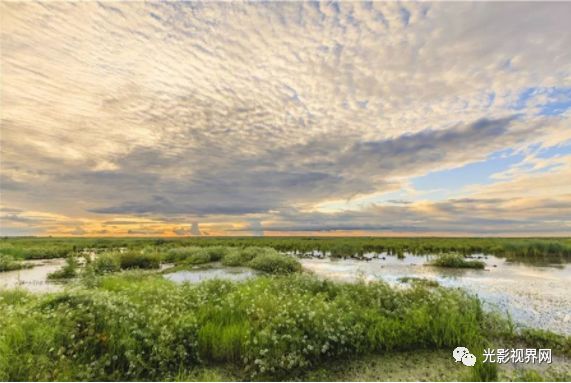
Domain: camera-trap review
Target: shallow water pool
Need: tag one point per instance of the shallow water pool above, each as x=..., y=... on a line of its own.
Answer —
x=34, y=279
x=535, y=296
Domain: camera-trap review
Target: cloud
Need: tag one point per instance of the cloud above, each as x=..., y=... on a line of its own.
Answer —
x=227, y=113
x=490, y=217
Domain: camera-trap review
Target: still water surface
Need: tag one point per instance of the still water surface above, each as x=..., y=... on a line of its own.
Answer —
x=536, y=296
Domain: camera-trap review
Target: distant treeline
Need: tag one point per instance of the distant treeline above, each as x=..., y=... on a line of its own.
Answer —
x=547, y=248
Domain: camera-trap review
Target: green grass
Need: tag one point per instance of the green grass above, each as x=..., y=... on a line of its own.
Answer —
x=530, y=249
x=106, y=263
x=114, y=261
x=8, y=263
x=545, y=339
x=139, y=326
x=263, y=259
x=456, y=261
x=275, y=264
x=192, y=255
x=134, y=327
x=242, y=256
x=196, y=255
x=422, y=281
x=137, y=260
x=68, y=271
x=39, y=249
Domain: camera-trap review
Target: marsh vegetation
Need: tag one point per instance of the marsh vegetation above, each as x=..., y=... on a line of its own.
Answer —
x=551, y=249
x=139, y=326
x=9, y=263
x=456, y=261
x=123, y=316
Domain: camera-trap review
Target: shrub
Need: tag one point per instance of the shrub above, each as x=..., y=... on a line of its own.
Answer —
x=199, y=257
x=241, y=257
x=69, y=270
x=106, y=263
x=275, y=264
x=138, y=260
x=46, y=252
x=457, y=261
x=218, y=252
x=195, y=255
x=343, y=250
x=8, y=263
x=233, y=258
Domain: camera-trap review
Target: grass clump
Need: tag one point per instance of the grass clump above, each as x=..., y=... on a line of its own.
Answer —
x=68, y=271
x=44, y=252
x=106, y=263
x=8, y=263
x=456, y=261
x=235, y=258
x=141, y=327
x=114, y=261
x=262, y=258
x=275, y=264
x=138, y=260
x=196, y=255
x=421, y=281
x=545, y=339
x=241, y=257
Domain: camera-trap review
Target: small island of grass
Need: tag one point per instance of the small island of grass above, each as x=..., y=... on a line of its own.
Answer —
x=9, y=263
x=456, y=261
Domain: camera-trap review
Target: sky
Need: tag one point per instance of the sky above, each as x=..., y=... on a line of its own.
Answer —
x=285, y=118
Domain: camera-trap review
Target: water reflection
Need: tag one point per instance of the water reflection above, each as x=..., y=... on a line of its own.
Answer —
x=35, y=278
x=535, y=296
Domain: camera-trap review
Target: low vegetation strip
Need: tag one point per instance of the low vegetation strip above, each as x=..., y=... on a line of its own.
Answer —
x=266, y=260
x=263, y=259
x=553, y=249
x=8, y=263
x=133, y=326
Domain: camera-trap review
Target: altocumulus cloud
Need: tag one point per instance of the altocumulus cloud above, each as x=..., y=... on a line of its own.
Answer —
x=251, y=115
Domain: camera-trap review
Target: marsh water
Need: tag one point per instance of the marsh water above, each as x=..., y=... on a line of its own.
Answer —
x=34, y=279
x=535, y=295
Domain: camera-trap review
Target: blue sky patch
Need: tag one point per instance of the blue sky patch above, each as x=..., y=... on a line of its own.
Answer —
x=473, y=173
x=558, y=100
x=555, y=151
